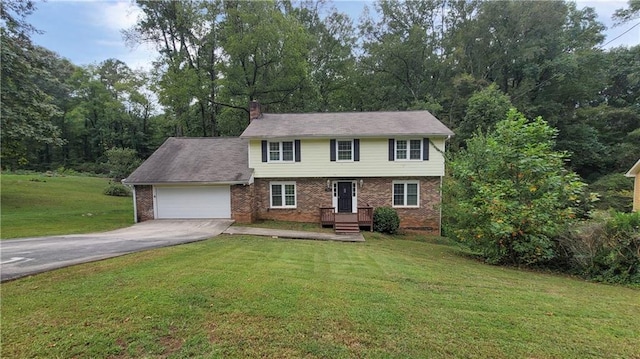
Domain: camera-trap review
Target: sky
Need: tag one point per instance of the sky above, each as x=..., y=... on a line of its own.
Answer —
x=89, y=31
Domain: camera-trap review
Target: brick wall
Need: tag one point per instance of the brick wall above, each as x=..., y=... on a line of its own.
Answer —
x=144, y=203
x=310, y=196
x=375, y=192
x=243, y=203
x=378, y=192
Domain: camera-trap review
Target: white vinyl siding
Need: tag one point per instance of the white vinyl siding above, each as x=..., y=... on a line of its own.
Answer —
x=374, y=161
x=406, y=193
x=283, y=194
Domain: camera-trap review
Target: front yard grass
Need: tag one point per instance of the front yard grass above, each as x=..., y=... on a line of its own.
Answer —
x=245, y=296
x=37, y=205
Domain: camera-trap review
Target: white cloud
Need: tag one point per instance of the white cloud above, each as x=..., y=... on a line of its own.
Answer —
x=116, y=16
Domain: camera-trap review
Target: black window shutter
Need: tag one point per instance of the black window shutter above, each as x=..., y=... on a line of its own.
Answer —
x=425, y=149
x=356, y=149
x=332, y=149
x=392, y=150
x=264, y=151
x=297, y=149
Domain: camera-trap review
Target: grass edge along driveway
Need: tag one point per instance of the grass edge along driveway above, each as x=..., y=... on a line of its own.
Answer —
x=244, y=296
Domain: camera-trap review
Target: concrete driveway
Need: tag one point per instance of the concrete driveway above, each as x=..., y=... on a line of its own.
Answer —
x=23, y=257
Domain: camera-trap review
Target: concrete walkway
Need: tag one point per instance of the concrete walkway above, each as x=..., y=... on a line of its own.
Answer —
x=283, y=233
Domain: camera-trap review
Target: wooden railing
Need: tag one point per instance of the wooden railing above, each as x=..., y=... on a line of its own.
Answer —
x=365, y=217
x=327, y=216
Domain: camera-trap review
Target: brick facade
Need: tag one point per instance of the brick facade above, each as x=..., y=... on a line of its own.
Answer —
x=251, y=202
x=144, y=203
x=312, y=194
x=243, y=204
x=378, y=192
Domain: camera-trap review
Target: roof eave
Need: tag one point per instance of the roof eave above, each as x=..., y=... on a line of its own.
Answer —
x=191, y=183
x=316, y=136
x=634, y=170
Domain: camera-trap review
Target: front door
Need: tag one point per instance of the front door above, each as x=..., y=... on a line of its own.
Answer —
x=344, y=197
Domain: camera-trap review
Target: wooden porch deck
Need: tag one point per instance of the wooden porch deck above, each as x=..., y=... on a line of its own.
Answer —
x=344, y=223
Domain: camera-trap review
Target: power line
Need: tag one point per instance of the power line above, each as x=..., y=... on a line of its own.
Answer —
x=619, y=36
x=545, y=82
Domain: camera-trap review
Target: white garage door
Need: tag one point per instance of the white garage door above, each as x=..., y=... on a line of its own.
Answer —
x=193, y=202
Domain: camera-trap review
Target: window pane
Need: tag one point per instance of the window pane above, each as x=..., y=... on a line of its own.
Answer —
x=398, y=194
x=287, y=151
x=412, y=194
x=344, y=150
x=401, y=149
x=290, y=194
x=276, y=195
x=274, y=151
x=415, y=150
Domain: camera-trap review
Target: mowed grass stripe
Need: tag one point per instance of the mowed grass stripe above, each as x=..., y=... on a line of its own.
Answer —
x=243, y=296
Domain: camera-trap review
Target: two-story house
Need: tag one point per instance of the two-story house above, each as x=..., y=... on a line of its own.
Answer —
x=312, y=167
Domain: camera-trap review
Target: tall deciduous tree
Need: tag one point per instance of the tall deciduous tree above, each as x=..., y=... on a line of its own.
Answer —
x=26, y=109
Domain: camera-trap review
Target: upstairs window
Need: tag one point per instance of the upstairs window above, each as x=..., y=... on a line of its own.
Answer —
x=345, y=150
x=282, y=151
x=408, y=150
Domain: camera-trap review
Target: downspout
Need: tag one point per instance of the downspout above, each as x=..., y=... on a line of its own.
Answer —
x=442, y=181
x=135, y=206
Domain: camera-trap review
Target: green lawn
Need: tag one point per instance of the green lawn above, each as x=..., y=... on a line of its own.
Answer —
x=244, y=296
x=37, y=205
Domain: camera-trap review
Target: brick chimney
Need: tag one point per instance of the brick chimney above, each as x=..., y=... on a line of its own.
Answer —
x=254, y=110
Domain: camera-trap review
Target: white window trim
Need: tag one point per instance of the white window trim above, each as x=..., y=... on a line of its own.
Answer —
x=282, y=186
x=408, y=140
x=338, y=152
x=280, y=150
x=393, y=188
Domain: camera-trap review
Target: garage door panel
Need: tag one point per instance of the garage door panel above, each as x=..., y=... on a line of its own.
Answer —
x=193, y=202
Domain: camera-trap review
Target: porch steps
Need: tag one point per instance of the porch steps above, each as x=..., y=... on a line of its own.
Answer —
x=346, y=223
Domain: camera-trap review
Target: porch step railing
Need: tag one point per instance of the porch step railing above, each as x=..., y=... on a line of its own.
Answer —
x=363, y=218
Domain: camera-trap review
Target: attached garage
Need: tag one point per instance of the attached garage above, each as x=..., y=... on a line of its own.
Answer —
x=189, y=178
x=192, y=202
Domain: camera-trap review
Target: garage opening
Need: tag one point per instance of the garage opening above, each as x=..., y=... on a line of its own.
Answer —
x=187, y=202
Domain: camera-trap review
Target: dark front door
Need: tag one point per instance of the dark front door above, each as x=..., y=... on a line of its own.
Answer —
x=344, y=197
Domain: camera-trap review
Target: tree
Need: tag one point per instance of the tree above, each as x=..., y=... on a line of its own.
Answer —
x=484, y=108
x=625, y=15
x=121, y=162
x=508, y=194
x=26, y=109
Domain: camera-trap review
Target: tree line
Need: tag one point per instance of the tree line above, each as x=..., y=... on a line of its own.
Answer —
x=467, y=62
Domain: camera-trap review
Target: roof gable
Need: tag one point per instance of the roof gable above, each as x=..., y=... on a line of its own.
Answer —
x=634, y=170
x=195, y=160
x=346, y=124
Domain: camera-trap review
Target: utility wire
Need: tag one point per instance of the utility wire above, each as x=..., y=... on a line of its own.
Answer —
x=545, y=82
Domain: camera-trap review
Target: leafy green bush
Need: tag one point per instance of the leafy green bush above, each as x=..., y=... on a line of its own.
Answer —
x=386, y=220
x=615, y=192
x=121, y=162
x=606, y=248
x=509, y=195
x=118, y=190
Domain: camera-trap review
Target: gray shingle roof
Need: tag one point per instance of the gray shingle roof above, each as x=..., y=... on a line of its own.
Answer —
x=346, y=124
x=195, y=160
